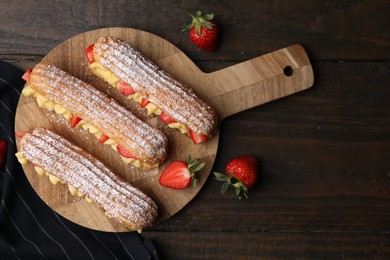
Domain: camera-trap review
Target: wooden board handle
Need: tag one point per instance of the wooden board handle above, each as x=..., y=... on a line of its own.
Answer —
x=262, y=79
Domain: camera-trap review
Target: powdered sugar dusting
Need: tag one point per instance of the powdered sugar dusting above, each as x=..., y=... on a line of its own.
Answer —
x=110, y=118
x=81, y=170
x=156, y=85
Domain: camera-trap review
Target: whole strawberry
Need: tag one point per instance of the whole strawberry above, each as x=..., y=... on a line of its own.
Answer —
x=204, y=32
x=179, y=175
x=241, y=173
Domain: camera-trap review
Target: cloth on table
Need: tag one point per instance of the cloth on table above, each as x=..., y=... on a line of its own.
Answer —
x=29, y=229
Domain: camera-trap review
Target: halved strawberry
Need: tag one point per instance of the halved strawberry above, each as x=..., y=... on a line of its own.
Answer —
x=144, y=102
x=103, y=138
x=26, y=75
x=197, y=138
x=167, y=118
x=74, y=121
x=21, y=134
x=124, y=152
x=89, y=52
x=179, y=175
x=125, y=88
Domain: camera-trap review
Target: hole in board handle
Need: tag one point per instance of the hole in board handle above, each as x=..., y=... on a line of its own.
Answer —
x=288, y=71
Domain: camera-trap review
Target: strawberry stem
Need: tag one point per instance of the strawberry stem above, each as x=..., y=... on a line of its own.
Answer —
x=229, y=180
x=188, y=12
x=194, y=166
x=198, y=21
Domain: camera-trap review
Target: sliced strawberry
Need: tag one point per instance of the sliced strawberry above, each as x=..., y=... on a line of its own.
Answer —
x=197, y=138
x=89, y=52
x=21, y=134
x=124, y=152
x=167, y=118
x=144, y=102
x=3, y=152
x=26, y=75
x=176, y=176
x=103, y=138
x=126, y=89
x=74, y=121
x=179, y=175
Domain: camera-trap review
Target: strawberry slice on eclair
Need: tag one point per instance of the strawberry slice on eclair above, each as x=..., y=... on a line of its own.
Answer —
x=135, y=76
x=63, y=162
x=86, y=107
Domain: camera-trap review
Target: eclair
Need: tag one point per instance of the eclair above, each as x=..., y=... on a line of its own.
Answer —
x=66, y=163
x=88, y=108
x=127, y=70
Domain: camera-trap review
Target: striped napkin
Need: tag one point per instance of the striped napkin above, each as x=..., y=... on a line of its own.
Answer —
x=29, y=229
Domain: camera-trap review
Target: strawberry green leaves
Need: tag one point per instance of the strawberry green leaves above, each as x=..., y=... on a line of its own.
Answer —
x=229, y=180
x=199, y=20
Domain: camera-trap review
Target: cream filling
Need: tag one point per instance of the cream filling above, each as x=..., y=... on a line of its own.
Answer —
x=107, y=75
x=50, y=105
x=53, y=179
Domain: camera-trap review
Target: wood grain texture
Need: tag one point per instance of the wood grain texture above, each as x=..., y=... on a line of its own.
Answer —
x=324, y=190
x=229, y=91
x=279, y=245
x=324, y=165
x=70, y=56
x=249, y=28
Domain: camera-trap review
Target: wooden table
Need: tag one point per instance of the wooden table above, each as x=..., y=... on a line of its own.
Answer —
x=325, y=152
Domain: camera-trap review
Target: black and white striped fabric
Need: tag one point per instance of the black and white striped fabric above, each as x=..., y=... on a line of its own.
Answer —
x=29, y=229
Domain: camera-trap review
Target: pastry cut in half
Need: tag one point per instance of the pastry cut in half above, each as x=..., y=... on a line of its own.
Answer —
x=88, y=108
x=135, y=76
x=66, y=163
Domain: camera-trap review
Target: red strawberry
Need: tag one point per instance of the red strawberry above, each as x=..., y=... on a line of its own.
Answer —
x=197, y=138
x=74, y=121
x=125, y=153
x=89, y=53
x=3, y=152
x=204, y=32
x=26, y=75
x=167, y=118
x=179, y=175
x=241, y=173
x=126, y=89
x=21, y=134
x=144, y=102
x=103, y=138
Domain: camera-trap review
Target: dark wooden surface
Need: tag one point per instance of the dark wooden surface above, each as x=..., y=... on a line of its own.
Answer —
x=325, y=153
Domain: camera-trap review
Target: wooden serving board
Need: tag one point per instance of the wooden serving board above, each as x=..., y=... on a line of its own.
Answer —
x=229, y=91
